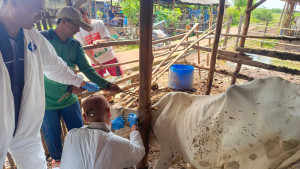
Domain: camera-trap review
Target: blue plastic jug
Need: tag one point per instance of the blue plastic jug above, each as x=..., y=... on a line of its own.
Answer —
x=125, y=22
x=181, y=77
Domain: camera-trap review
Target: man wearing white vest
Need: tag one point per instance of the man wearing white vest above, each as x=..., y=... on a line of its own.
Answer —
x=25, y=57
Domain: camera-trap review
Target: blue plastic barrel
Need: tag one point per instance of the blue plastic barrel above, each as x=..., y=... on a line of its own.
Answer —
x=181, y=77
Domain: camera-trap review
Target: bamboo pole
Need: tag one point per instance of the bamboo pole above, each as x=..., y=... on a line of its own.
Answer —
x=239, y=30
x=227, y=32
x=194, y=27
x=255, y=6
x=220, y=52
x=210, y=21
x=243, y=39
x=130, y=42
x=146, y=59
x=160, y=73
x=198, y=52
x=282, y=14
x=215, y=46
x=262, y=42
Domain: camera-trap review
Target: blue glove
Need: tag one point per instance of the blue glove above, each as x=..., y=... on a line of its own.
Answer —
x=132, y=119
x=91, y=87
x=117, y=123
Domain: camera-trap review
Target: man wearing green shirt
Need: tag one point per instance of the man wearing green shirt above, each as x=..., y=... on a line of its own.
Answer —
x=70, y=50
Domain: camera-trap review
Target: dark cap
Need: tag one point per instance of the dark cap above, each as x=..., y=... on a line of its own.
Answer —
x=75, y=16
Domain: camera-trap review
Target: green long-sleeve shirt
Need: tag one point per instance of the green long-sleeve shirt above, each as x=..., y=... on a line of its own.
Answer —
x=73, y=54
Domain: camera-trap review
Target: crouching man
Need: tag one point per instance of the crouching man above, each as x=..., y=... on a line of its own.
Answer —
x=95, y=146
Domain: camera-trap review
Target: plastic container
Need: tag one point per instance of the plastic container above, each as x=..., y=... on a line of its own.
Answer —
x=181, y=77
x=125, y=22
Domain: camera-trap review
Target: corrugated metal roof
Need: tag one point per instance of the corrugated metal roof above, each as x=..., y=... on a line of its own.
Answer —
x=203, y=2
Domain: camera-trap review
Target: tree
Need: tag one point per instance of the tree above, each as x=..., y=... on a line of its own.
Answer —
x=130, y=9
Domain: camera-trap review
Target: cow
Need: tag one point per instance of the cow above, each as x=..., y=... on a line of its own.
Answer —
x=255, y=125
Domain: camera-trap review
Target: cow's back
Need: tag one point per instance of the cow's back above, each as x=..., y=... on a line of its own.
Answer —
x=255, y=125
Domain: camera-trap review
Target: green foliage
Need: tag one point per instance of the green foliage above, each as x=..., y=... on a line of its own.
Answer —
x=171, y=16
x=240, y=3
x=235, y=13
x=130, y=9
x=262, y=14
x=276, y=10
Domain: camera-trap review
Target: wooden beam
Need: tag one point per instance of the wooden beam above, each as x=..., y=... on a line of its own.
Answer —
x=272, y=53
x=260, y=65
x=243, y=39
x=215, y=46
x=253, y=36
x=255, y=6
x=146, y=59
x=220, y=71
x=220, y=52
x=131, y=42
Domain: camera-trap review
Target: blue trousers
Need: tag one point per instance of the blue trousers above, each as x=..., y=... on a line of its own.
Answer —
x=51, y=127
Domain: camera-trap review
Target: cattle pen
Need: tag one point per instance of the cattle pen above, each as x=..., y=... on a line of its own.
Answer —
x=178, y=51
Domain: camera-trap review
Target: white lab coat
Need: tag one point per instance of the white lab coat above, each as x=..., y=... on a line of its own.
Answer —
x=25, y=146
x=96, y=147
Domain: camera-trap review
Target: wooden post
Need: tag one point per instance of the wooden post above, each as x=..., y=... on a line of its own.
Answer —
x=283, y=10
x=173, y=5
x=209, y=25
x=111, y=6
x=158, y=4
x=215, y=46
x=210, y=19
x=146, y=59
x=243, y=39
x=47, y=15
x=289, y=17
x=262, y=42
x=239, y=30
x=227, y=32
x=90, y=8
x=95, y=13
x=199, y=54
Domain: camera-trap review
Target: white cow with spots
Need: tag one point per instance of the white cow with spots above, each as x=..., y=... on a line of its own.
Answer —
x=251, y=126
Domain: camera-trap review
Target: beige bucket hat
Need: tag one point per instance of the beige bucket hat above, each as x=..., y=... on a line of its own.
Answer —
x=73, y=14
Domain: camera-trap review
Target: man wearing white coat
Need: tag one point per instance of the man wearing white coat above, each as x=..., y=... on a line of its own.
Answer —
x=25, y=57
x=95, y=146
